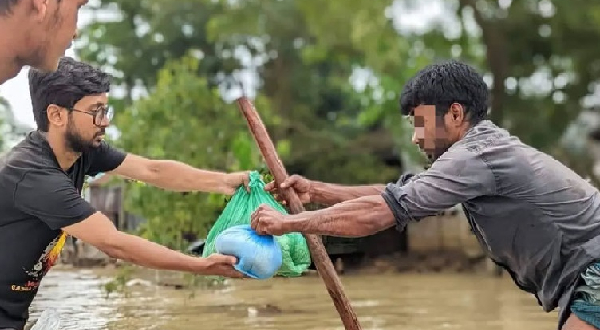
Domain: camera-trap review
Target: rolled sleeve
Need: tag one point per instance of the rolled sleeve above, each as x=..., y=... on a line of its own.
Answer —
x=406, y=178
x=456, y=177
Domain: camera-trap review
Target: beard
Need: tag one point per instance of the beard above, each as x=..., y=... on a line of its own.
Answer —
x=441, y=145
x=76, y=143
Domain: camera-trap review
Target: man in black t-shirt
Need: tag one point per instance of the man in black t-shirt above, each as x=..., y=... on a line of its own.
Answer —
x=40, y=189
x=35, y=33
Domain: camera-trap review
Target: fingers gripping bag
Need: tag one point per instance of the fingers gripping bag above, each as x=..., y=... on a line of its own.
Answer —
x=258, y=256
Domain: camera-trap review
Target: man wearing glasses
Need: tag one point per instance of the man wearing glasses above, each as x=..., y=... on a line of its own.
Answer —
x=40, y=189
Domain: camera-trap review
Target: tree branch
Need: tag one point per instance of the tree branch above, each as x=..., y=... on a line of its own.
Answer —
x=496, y=57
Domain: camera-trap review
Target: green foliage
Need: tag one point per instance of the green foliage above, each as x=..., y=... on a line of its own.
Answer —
x=135, y=39
x=185, y=120
x=308, y=95
x=310, y=60
x=537, y=55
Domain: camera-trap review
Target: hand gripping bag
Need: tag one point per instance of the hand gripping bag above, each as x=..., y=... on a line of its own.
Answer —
x=259, y=256
x=295, y=255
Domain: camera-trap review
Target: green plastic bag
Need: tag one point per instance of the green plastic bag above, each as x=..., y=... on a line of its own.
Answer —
x=296, y=255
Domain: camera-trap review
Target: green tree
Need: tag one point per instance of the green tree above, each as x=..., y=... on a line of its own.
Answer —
x=135, y=39
x=311, y=89
x=309, y=93
x=185, y=120
x=539, y=56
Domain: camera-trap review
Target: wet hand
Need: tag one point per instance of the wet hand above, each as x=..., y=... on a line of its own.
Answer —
x=301, y=185
x=221, y=265
x=267, y=221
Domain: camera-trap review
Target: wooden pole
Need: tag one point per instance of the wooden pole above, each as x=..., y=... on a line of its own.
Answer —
x=317, y=250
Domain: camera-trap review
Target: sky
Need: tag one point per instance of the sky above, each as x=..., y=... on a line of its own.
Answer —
x=416, y=18
x=16, y=93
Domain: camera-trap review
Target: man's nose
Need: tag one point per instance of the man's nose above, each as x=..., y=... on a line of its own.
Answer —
x=105, y=122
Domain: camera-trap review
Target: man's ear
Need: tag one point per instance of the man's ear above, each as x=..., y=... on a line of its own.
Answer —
x=457, y=113
x=56, y=116
x=39, y=9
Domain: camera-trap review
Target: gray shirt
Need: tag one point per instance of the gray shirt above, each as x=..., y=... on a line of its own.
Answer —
x=532, y=215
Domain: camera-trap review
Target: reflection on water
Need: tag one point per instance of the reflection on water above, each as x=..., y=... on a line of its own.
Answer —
x=387, y=301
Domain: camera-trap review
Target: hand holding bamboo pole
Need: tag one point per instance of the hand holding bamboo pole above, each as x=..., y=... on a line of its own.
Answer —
x=315, y=245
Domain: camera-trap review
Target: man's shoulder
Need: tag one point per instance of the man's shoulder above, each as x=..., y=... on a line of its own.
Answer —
x=28, y=156
x=492, y=144
x=489, y=147
x=30, y=152
x=510, y=159
x=486, y=135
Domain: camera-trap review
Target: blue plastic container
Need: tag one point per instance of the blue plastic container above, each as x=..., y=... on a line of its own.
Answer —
x=259, y=256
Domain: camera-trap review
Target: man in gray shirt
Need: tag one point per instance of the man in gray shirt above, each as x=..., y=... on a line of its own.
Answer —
x=533, y=216
x=35, y=33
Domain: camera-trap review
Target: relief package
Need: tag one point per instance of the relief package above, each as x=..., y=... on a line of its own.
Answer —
x=294, y=249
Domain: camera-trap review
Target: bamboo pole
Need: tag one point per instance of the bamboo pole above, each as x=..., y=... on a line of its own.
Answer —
x=318, y=253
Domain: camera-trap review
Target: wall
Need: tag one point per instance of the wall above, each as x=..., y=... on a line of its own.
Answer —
x=447, y=232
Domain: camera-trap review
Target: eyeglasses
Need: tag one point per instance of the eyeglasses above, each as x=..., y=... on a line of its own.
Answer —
x=98, y=115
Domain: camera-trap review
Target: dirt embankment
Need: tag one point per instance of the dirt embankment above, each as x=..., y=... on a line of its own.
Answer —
x=432, y=262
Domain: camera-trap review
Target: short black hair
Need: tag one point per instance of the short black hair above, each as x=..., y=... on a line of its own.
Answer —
x=444, y=83
x=64, y=87
x=6, y=6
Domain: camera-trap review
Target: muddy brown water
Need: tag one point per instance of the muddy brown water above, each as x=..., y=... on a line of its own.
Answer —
x=382, y=302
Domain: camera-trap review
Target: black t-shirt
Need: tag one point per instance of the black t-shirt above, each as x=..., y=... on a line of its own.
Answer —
x=37, y=199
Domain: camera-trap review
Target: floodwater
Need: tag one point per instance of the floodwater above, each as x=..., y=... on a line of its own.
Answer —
x=382, y=302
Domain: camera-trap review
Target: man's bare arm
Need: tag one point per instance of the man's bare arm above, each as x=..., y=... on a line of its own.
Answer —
x=328, y=194
x=177, y=176
x=359, y=217
x=452, y=179
x=331, y=194
x=100, y=232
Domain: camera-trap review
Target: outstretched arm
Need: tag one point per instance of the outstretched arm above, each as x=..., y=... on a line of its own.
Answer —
x=50, y=196
x=450, y=181
x=177, y=176
x=328, y=194
x=100, y=232
x=359, y=217
x=165, y=174
x=331, y=194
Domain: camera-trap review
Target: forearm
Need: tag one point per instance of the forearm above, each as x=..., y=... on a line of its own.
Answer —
x=359, y=217
x=177, y=176
x=148, y=254
x=331, y=194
